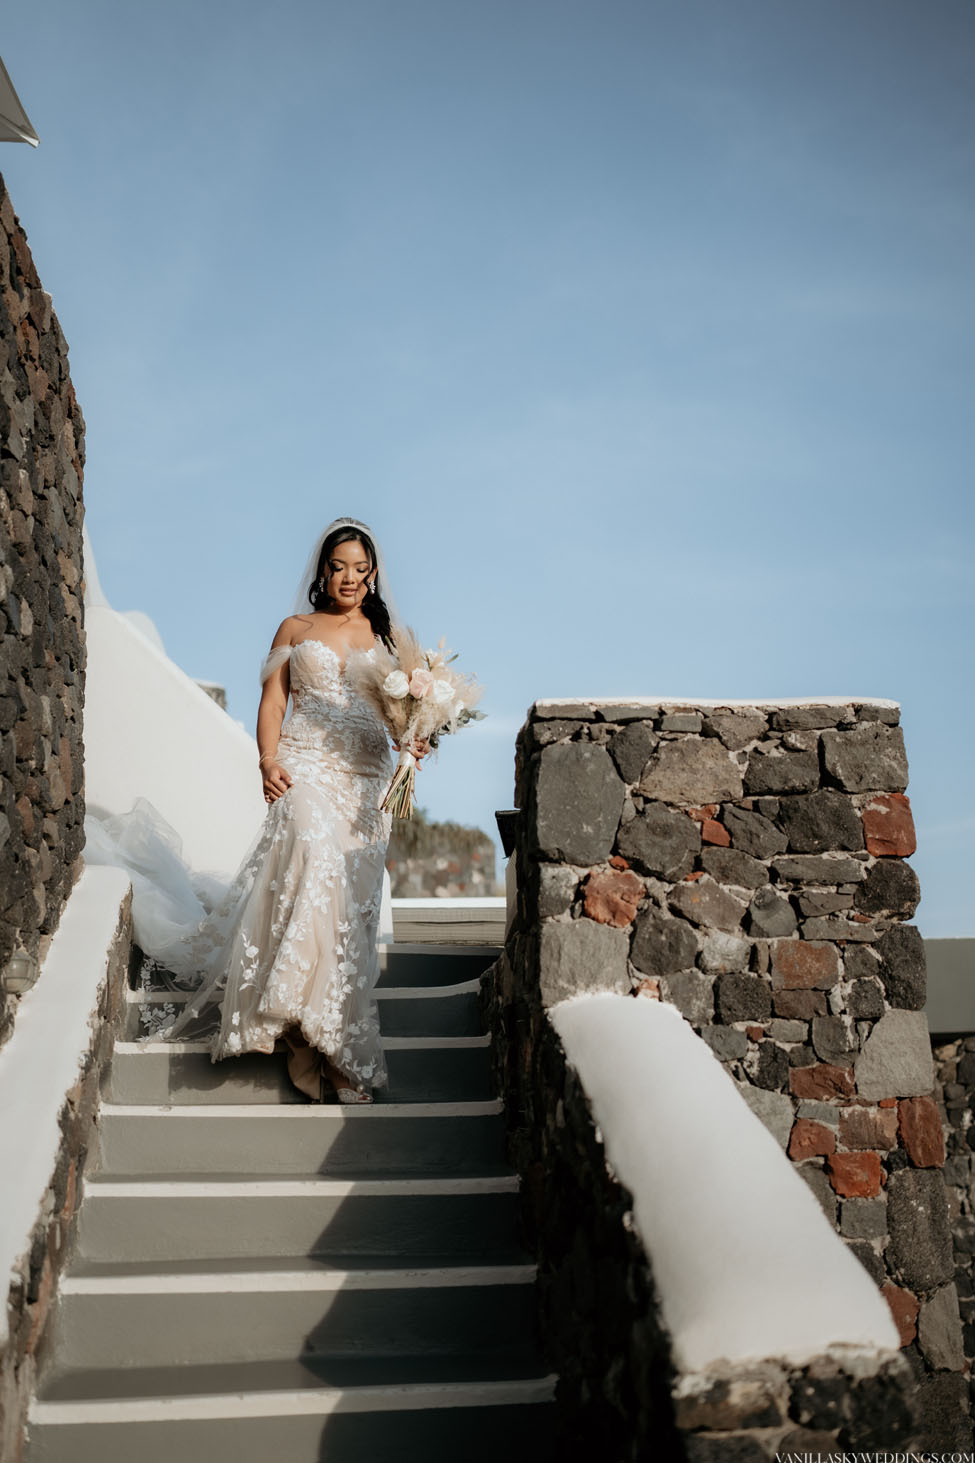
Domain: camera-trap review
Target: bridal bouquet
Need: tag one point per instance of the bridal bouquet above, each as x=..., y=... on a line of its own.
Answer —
x=418, y=695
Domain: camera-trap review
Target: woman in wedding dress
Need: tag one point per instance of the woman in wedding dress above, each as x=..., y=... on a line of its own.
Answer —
x=289, y=952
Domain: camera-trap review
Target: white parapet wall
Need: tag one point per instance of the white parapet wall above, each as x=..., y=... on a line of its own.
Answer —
x=48, y=1052
x=716, y=1202
x=151, y=732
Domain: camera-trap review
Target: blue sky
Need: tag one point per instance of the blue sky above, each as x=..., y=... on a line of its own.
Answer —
x=641, y=332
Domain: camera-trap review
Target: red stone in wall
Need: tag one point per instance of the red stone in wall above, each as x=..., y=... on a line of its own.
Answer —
x=804, y=965
x=821, y=1081
x=868, y=1127
x=809, y=1139
x=921, y=1131
x=888, y=825
x=612, y=898
x=854, y=1175
x=904, y=1308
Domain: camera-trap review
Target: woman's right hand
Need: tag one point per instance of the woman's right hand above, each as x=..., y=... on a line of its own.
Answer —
x=276, y=781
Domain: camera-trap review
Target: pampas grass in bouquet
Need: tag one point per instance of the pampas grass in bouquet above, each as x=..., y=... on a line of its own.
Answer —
x=419, y=696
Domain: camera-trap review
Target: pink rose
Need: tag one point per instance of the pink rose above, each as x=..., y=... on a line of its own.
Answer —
x=421, y=684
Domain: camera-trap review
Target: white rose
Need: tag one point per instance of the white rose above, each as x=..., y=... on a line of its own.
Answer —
x=443, y=692
x=396, y=684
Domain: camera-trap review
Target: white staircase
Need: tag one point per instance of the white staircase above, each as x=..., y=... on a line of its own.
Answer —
x=260, y=1277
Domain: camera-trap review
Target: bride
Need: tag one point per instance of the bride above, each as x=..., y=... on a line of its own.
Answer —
x=289, y=952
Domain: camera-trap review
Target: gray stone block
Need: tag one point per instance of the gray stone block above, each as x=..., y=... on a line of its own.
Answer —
x=770, y=916
x=726, y=1043
x=863, y=1218
x=693, y=995
x=819, y=902
x=818, y=868
x=834, y=1039
x=958, y=1170
x=707, y=903
x=662, y=945
x=578, y=956
x=946, y=1418
x=819, y=1112
x=557, y=885
x=835, y=927
x=731, y=866
x=752, y=833
x=939, y=1331
x=571, y=710
x=870, y=758
x=769, y=1066
x=802, y=741
x=820, y=821
x=774, y=1109
x=547, y=732
x=578, y=800
x=821, y=1187
x=861, y=962
x=742, y=998
x=681, y=721
x=736, y=728
x=692, y=771
x=891, y=887
x=802, y=718
x=774, y=770
x=784, y=1030
x=896, y=1058
x=869, y=1259
x=721, y=951
x=891, y=715
x=660, y=840
x=865, y=1001
x=631, y=748
x=919, y=1250
x=902, y=967
x=627, y=711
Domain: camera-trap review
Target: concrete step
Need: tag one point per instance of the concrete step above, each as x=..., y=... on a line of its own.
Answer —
x=180, y=1218
x=260, y=1277
x=420, y=1069
x=429, y=1010
x=285, y=1310
x=428, y=1138
x=404, y=1409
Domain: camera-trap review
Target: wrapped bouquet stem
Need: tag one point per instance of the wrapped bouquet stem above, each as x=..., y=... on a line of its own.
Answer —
x=420, y=696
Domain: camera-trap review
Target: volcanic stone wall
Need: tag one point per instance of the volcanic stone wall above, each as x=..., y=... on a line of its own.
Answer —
x=41, y=632
x=746, y=864
x=954, y=1063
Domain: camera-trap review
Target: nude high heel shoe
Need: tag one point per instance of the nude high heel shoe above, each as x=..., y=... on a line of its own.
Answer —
x=342, y=1087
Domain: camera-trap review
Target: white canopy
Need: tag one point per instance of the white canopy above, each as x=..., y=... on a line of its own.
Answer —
x=14, y=122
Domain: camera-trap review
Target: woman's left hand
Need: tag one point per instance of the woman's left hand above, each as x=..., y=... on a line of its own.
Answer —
x=419, y=747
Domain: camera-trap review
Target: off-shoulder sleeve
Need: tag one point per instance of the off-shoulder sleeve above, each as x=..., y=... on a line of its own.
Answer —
x=274, y=659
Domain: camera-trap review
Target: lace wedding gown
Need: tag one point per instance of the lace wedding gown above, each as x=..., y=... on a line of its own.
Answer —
x=293, y=941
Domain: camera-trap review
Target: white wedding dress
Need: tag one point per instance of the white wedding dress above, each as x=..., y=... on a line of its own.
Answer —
x=293, y=941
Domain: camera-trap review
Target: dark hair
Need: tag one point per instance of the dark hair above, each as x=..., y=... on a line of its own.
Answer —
x=373, y=606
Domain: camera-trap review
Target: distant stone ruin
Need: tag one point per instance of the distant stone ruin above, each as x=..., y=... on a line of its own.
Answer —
x=439, y=860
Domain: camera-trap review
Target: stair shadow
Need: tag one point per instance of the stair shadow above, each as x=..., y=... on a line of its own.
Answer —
x=399, y=1335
